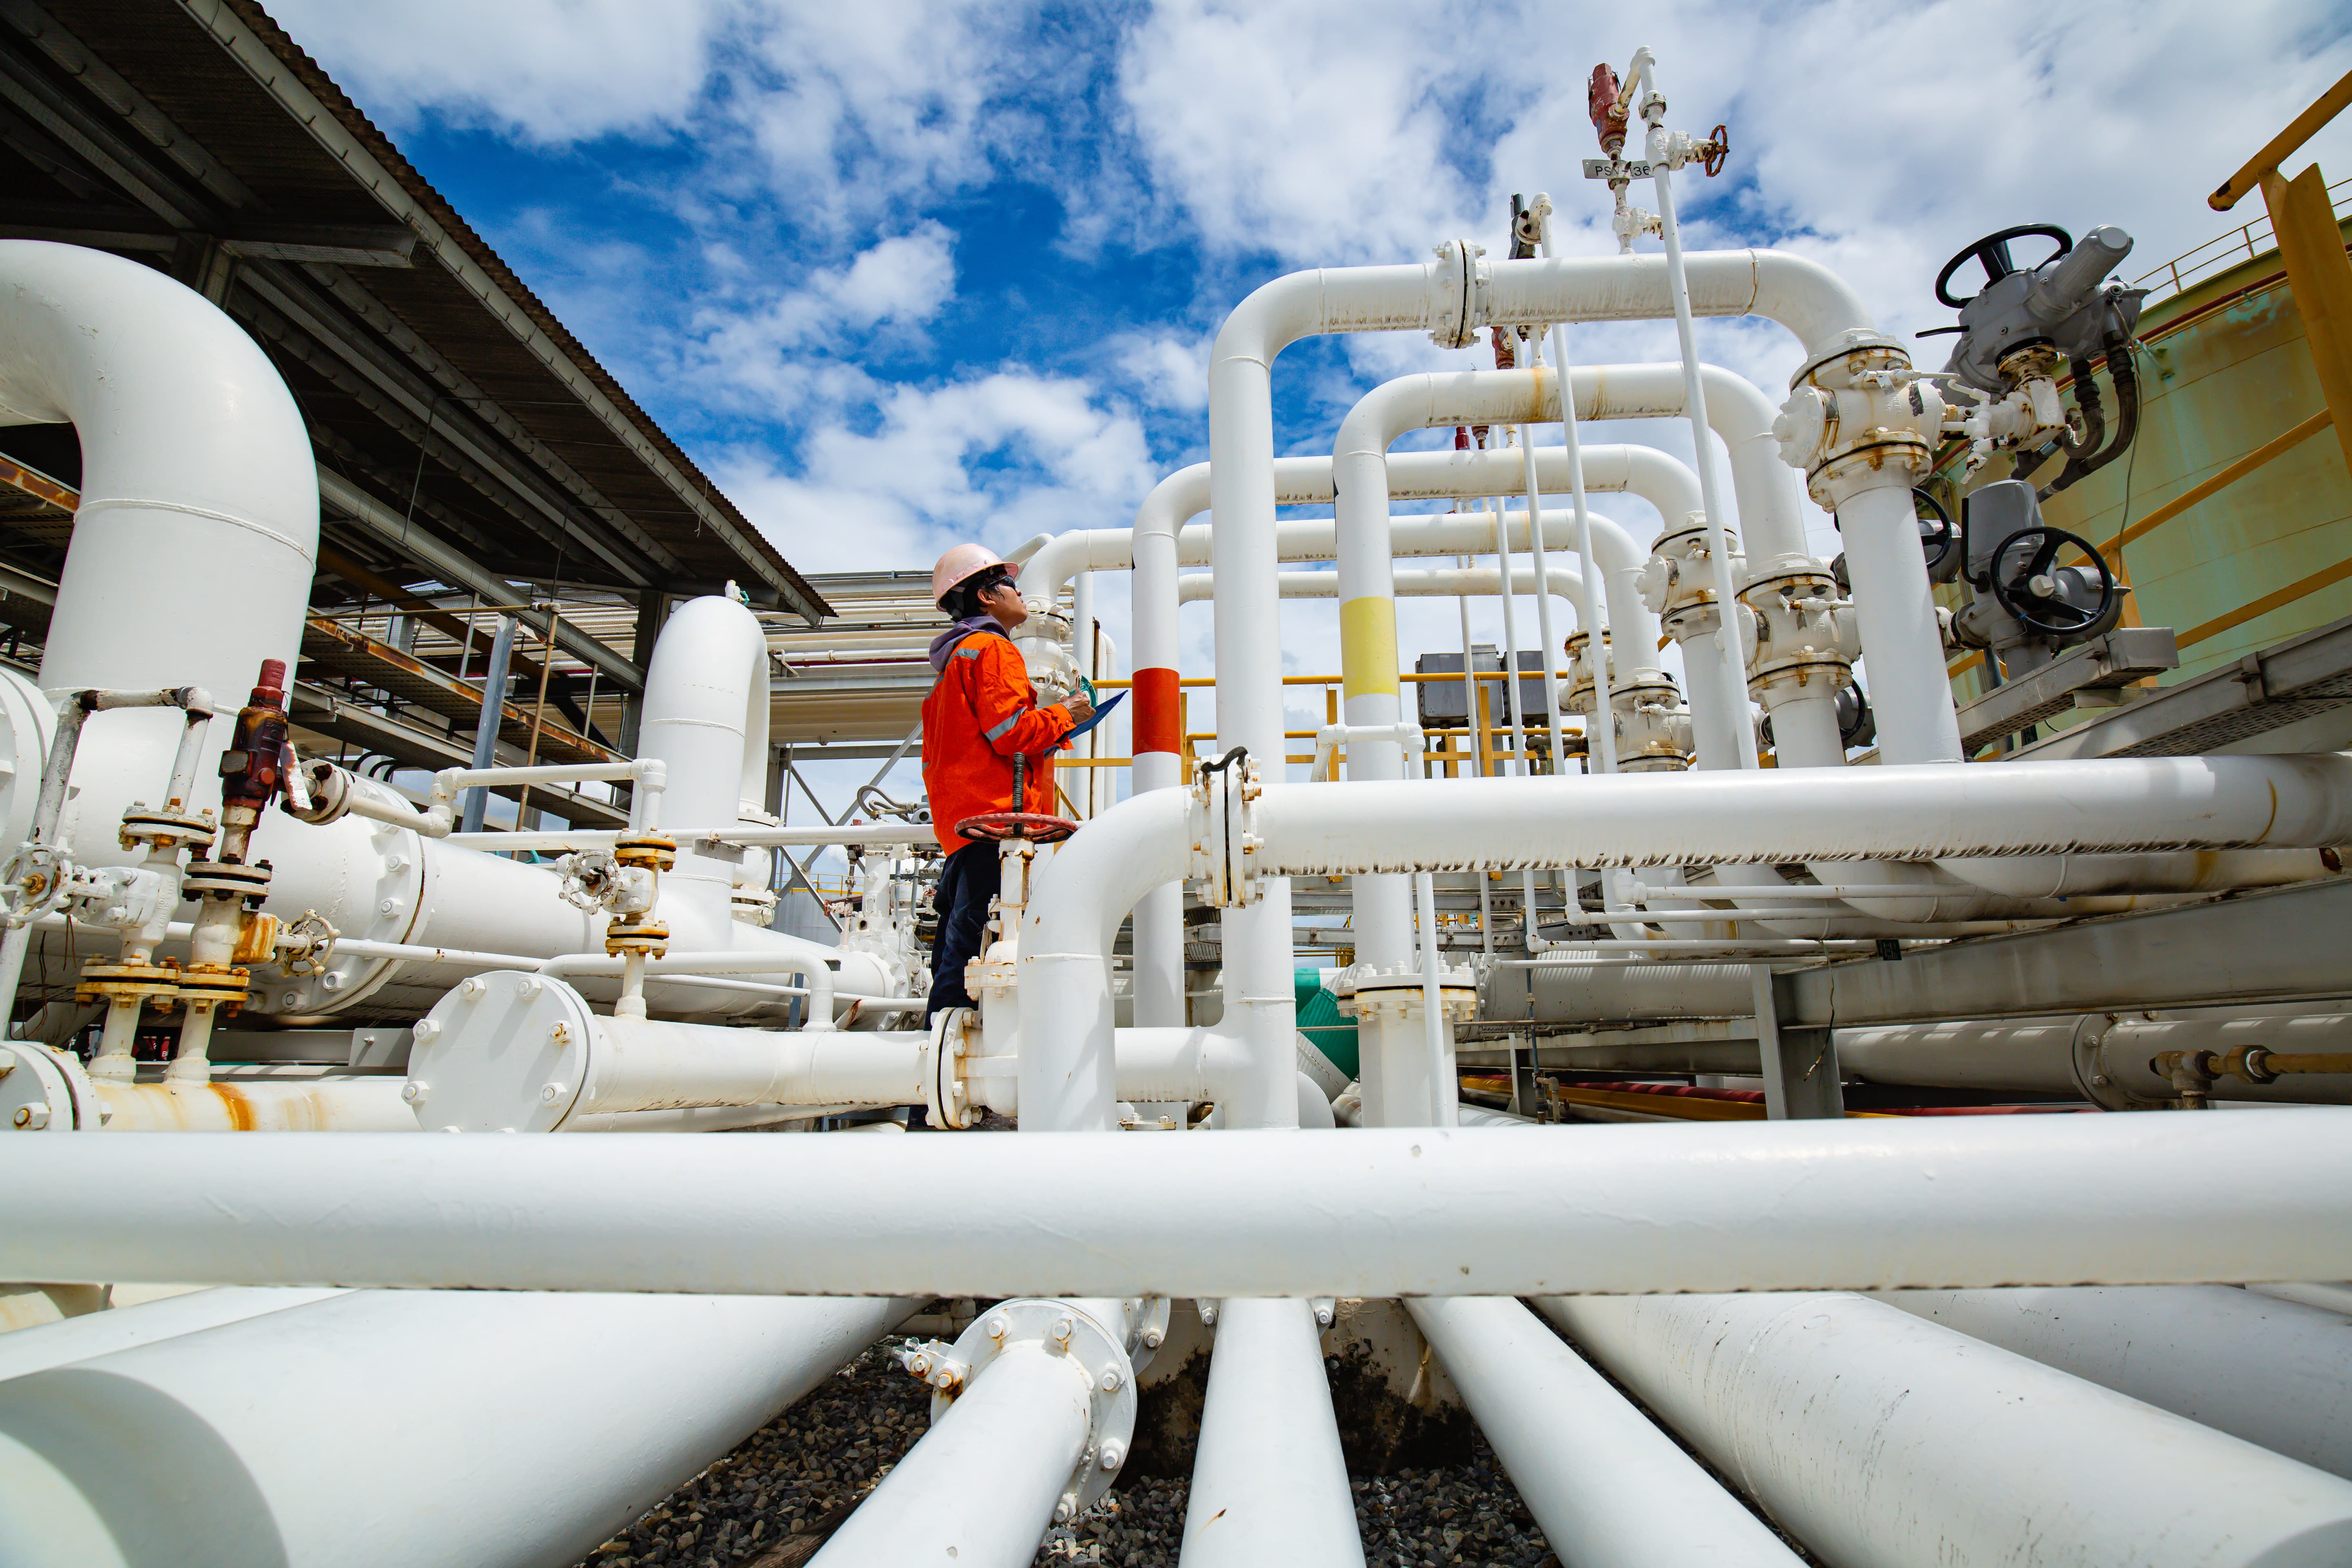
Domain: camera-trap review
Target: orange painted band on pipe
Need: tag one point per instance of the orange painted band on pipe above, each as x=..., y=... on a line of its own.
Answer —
x=1156, y=723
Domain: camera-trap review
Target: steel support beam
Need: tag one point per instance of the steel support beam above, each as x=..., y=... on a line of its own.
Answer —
x=2278, y=945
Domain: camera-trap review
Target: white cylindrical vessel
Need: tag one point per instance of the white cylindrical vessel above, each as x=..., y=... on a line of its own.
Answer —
x=1875, y=1437
x=397, y=1428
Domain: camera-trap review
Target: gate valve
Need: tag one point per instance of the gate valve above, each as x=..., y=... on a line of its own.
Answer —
x=35, y=880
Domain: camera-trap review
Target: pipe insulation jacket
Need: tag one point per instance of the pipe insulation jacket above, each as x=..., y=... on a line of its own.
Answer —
x=1609, y=1489
x=495, y=1430
x=1883, y=1441
x=2276, y=1373
x=1932, y=1203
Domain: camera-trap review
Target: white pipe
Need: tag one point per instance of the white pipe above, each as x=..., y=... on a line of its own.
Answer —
x=1066, y=929
x=196, y=469
x=1928, y=1203
x=1450, y=296
x=1875, y=1437
x=705, y=692
x=121, y=1328
x=1445, y=1089
x=981, y=1487
x=1269, y=1482
x=2276, y=1373
x=1609, y=1488
x=348, y=1432
x=1854, y=813
x=1450, y=581
x=870, y=833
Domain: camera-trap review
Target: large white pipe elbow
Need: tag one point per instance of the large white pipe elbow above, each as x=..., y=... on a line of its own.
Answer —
x=1067, y=1071
x=198, y=528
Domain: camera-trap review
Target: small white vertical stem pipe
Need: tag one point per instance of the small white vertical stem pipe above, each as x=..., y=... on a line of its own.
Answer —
x=1543, y=582
x=1269, y=1483
x=1445, y=1090
x=1082, y=644
x=1601, y=729
x=1718, y=545
x=1470, y=722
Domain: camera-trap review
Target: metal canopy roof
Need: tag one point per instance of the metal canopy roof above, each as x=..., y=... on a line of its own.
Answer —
x=444, y=399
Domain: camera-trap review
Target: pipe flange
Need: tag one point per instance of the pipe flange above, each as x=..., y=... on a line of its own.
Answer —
x=1457, y=293
x=103, y=982
x=949, y=1101
x=2099, y=1082
x=1859, y=351
x=42, y=1090
x=650, y=851
x=165, y=829
x=224, y=989
x=502, y=1052
x=1061, y=1330
x=226, y=880
x=649, y=937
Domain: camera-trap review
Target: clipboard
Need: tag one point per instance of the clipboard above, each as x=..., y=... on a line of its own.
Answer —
x=1101, y=713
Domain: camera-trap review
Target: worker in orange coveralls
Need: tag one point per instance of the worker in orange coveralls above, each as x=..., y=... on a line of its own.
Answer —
x=981, y=714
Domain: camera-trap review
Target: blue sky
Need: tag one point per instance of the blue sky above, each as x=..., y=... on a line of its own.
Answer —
x=902, y=273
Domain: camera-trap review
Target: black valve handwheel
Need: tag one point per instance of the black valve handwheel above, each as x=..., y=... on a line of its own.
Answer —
x=1937, y=537
x=2049, y=613
x=1991, y=253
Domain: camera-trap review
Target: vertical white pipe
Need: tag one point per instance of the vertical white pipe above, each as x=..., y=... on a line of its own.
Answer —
x=979, y=1490
x=1156, y=702
x=1895, y=608
x=1718, y=544
x=1445, y=1089
x=1600, y=730
x=486, y=731
x=1259, y=1004
x=1551, y=650
x=1269, y=1483
x=1082, y=639
x=1609, y=1489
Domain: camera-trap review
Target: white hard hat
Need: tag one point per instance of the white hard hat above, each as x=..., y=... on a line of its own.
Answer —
x=966, y=560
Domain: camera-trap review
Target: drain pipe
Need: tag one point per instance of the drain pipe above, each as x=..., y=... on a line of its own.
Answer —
x=1875, y=1437
x=1594, y=1471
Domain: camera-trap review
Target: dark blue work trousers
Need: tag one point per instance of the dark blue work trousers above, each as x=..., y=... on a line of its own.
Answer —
x=968, y=880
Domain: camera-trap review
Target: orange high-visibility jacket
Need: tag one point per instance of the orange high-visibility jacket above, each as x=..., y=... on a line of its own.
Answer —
x=981, y=713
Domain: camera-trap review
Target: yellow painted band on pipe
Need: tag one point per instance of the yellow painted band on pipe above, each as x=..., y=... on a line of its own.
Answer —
x=1367, y=646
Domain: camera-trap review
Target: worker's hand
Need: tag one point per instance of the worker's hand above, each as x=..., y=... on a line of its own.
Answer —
x=1076, y=706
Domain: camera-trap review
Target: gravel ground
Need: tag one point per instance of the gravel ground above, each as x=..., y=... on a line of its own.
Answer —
x=771, y=1502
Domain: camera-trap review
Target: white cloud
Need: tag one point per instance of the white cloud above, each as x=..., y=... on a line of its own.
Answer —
x=998, y=458
x=1168, y=369
x=779, y=348
x=547, y=70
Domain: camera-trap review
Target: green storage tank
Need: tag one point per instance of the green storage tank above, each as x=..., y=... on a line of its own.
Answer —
x=1319, y=1020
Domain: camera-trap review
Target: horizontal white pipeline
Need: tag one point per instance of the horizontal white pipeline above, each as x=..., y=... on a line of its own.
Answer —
x=1929, y=1203
x=1924, y=812
x=875, y=833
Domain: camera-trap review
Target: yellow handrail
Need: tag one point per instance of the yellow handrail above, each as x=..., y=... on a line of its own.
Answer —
x=2282, y=146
